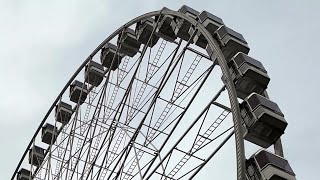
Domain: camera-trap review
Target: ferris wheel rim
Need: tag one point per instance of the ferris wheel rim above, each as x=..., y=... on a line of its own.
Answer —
x=220, y=59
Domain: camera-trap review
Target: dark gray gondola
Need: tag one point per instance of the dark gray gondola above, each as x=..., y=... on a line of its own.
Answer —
x=248, y=74
x=264, y=165
x=264, y=121
x=182, y=28
x=108, y=53
x=24, y=174
x=63, y=112
x=144, y=30
x=212, y=24
x=49, y=134
x=231, y=42
x=164, y=29
x=36, y=155
x=94, y=73
x=129, y=45
x=78, y=92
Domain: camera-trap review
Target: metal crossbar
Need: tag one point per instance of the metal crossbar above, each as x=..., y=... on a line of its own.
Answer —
x=200, y=141
x=179, y=87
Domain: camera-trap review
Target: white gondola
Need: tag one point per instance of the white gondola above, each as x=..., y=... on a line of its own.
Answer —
x=211, y=22
x=129, y=45
x=264, y=165
x=78, y=92
x=24, y=174
x=181, y=26
x=94, y=73
x=63, y=112
x=36, y=155
x=144, y=30
x=264, y=121
x=164, y=29
x=231, y=42
x=108, y=54
x=248, y=74
x=49, y=134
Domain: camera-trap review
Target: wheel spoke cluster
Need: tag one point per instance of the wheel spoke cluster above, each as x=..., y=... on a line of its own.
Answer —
x=150, y=109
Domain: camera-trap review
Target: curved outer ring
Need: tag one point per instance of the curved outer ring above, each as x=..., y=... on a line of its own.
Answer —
x=240, y=154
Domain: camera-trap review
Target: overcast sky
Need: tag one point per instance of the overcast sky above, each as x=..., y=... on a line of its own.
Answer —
x=43, y=43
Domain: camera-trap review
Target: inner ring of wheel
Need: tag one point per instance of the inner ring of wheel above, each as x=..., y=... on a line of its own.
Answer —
x=240, y=154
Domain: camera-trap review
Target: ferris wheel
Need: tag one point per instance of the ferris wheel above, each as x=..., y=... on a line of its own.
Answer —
x=159, y=99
